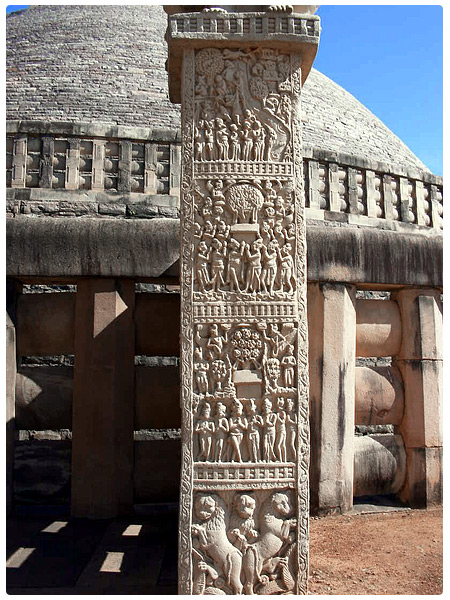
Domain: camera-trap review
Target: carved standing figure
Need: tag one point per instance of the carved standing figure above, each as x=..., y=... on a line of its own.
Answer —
x=218, y=256
x=204, y=428
x=210, y=530
x=202, y=266
x=222, y=430
x=280, y=431
x=291, y=430
x=253, y=256
x=269, y=421
x=234, y=269
x=238, y=424
x=289, y=362
x=270, y=267
x=255, y=424
x=201, y=368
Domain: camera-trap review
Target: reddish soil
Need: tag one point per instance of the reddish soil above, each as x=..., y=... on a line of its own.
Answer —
x=383, y=553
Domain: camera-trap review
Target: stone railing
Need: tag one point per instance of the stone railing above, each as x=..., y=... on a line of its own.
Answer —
x=121, y=169
x=79, y=156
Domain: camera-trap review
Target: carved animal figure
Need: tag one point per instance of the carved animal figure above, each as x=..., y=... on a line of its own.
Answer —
x=275, y=534
x=242, y=523
x=212, y=537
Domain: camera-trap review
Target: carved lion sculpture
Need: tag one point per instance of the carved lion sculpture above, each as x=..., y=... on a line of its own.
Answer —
x=211, y=532
x=275, y=535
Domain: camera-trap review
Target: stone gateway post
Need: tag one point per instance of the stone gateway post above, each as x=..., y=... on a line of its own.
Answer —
x=244, y=504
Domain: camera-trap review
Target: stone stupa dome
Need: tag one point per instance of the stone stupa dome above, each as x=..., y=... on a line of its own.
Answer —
x=107, y=64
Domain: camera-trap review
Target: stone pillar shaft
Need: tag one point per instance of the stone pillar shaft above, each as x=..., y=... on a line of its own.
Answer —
x=103, y=399
x=420, y=362
x=332, y=317
x=244, y=506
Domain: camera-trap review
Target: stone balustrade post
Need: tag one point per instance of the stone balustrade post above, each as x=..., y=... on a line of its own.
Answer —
x=244, y=363
x=332, y=342
x=103, y=399
x=420, y=362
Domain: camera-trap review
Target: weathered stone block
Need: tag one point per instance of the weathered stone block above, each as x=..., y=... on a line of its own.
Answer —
x=379, y=464
x=378, y=328
x=379, y=396
x=424, y=484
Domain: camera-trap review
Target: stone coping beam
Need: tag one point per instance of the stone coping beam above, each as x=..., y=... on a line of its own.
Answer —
x=145, y=249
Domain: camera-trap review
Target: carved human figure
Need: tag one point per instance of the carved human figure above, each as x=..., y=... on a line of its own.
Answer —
x=291, y=428
x=272, y=373
x=208, y=153
x=270, y=266
x=218, y=256
x=276, y=339
x=238, y=425
x=205, y=428
x=199, y=143
x=247, y=139
x=288, y=363
x=271, y=138
x=235, y=143
x=201, y=368
x=280, y=430
x=202, y=266
x=216, y=341
x=234, y=267
x=266, y=233
x=253, y=257
x=242, y=523
x=275, y=526
x=209, y=231
x=258, y=145
x=222, y=138
x=286, y=269
x=278, y=234
x=210, y=529
x=206, y=580
x=222, y=430
x=222, y=231
x=255, y=424
x=269, y=420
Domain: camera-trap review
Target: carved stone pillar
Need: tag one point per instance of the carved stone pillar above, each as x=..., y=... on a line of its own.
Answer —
x=244, y=506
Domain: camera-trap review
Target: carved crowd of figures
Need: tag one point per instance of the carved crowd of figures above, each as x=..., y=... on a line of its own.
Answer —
x=243, y=101
x=232, y=428
x=246, y=431
x=246, y=546
x=258, y=260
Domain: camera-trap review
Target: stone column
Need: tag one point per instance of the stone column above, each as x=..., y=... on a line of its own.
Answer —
x=420, y=361
x=332, y=318
x=103, y=399
x=244, y=505
x=11, y=370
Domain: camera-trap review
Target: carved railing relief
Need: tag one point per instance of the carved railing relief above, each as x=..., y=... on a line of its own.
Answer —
x=244, y=368
x=370, y=196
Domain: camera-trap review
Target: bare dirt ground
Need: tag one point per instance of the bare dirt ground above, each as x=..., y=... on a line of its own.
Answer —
x=383, y=553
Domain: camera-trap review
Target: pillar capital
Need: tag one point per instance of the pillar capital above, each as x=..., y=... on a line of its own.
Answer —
x=282, y=31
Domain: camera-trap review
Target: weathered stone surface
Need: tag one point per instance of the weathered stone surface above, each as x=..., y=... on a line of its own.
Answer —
x=149, y=247
x=378, y=328
x=332, y=318
x=44, y=398
x=45, y=324
x=157, y=471
x=421, y=312
x=379, y=396
x=98, y=248
x=424, y=483
x=379, y=465
x=157, y=398
x=157, y=319
x=103, y=415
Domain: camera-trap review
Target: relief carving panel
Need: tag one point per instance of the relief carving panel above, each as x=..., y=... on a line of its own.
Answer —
x=244, y=500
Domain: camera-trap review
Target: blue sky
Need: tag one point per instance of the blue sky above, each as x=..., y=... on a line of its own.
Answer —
x=391, y=59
